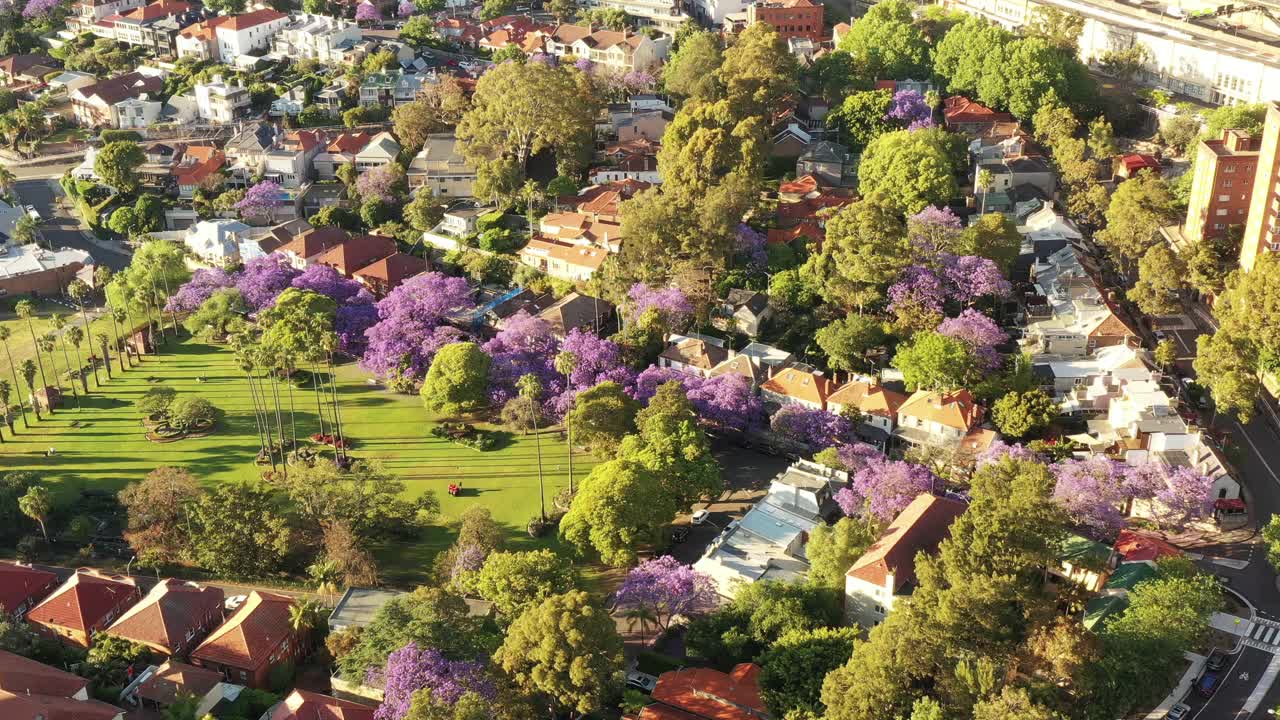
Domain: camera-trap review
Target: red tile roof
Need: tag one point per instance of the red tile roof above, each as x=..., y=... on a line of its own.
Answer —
x=174, y=678
x=393, y=269
x=1140, y=547
x=248, y=637
x=43, y=707
x=711, y=694
x=1135, y=162
x=198, y=163
x=800, y=385
x=918, y=528
x=156, y=10
x=167, y=614
x=955, y=409
x=303, y=140
x=83, y=600
x=357, y=252
x=802, y=185
x=304, y=705
x=21, y=675
x=19, y=583
x=869, y=399
x=350, y=142
x=959, y=109
x=806, y=229
x=253, y=19
x=310, y=243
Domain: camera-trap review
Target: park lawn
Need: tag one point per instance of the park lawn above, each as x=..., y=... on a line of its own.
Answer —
x=22, y=347
x=109, y=449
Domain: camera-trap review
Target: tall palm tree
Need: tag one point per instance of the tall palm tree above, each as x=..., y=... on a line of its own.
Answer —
x=37, y=504
x=303, y=615
x=7, y=179
x=4, y=340
x=80, y=292
x=48, y=344
x=27, y=310
x=29, y=374
x=6, y=392
x=565, y=363
x=75, y=336
x=59, y=324
x=531, y=389
x=244, y=358
x=104, y=344
x=324, y=575
x=119, y=316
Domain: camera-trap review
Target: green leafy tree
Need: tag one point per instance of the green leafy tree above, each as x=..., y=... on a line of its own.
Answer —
x=759, y=615
x=428, y=616
x=1059, y=28
x=690, y=72
x=670, y=442
x=158, y=510
x=117, y=164
x=601, y=417
x=1166, y=353
x=496, y=8
x=189, y=412
x=562, y=9
x=887, y=43
x=424, y=211
x=934, y=361
x=420, y=31
x=566, y=649
x=237, y=531
x=832, y=549
x=865, y=250
x=910, y=169
x=515, y=581
x=962, y=57
x=618, y=508
x=758, y=72
x=1139, y=207
x=993, y=236
x=457, y=381
x=848, y=340
x=219, y=315
x=1013, y=703
x=1162, y=273
x=792, y=668
x=861, y=118
x=1020, y=414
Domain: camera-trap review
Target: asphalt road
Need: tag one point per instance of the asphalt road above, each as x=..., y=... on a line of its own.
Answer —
x=1240, y=678
x=59, y=228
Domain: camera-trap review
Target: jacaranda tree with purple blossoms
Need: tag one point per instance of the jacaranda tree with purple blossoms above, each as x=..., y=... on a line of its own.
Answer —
x=979, y=332
x=412, y=669
x=39, y=8
x=969, y=278
x=1178, y=494
x=817, y=429
x=750, y=245
x=934, y=230
x=671, y=303
x=667, y=588
x=385, y=183
x=406, y=8
x=586, y=360
x=410, y=328
x=882, y=488
x=524, y=346
x=1094, y=492
x=202, y=285
x=368, y=12
x=910, y=109
x=261, y=199
x=723, y=401
x=264, y=278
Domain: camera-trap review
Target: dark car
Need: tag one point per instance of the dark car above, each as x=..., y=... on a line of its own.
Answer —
x=1217, y=661
x=1207, y=684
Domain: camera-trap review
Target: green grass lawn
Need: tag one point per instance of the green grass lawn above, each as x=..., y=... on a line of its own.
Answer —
x=109, y=449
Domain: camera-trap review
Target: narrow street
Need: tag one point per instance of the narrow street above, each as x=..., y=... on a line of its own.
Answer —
x=62, y=229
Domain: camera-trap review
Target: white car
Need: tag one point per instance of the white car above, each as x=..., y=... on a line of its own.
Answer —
x=234, y=602
x=700, y=516
x=1178, y=712
x=641, y=681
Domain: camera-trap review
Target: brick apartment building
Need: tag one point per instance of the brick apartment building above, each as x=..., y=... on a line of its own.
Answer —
x=791, y=18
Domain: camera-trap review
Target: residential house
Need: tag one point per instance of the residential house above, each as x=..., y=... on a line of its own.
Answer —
x=1086, y=386
x=795, y=386
x=33, y=691
x=341, y=151
x=577, y=311
x=93, y=105
x=356, y=252
x=216, y=242
x=70, y=80
x=31, y=269
x=943, y=419
x=317, y=37
x=199, y=40
x=382, y=149
x=617, y=51
x=1128, y=165
x=1133, y=546
x=198, y=165
x=717, y=12
x=572, y=263
x=876, y=405
x=255, y=640
x=699, y=692
x=172, y=618
x=85, y=14
x=1084, y=562
x=627, y=123
x=22, y=586
x=582, y=230
x=886, y=571
x=749, y=309
x=159, y=687
x=154, y=27
x=1113, y=597
x=246, y=151
x=766, y=356
x=290, y=103
x=1010, y=172
x=792, y=18
x=383, y=276
x=220, y=101
x=831, y=163
x=137, y=113
x=602, y=202
x=390, y=89
x=440, y=168
x=1069, y=316
x=962, y=115
x=696, y=356
x=306, y=247
x=457, y=223
x=273, y=239
x=306, y=705
x=21, y=72
x=290, y=161
x=741, y=366
x=768, y=543
x=247, y=34
x=316, y=195
x=87, y=602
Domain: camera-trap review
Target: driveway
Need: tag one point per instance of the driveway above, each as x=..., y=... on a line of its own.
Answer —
x=60, y=228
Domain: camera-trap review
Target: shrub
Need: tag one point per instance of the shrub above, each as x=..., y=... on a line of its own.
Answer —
x=466, y=435
x=189, y=412
x=157, y=400
x=110, y=136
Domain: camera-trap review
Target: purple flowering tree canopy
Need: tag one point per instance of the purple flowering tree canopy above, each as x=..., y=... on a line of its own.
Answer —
x=524, y=346
x=750, y=245
x=261, y=199
x=977, y=331
x=380, y=183
x=818, y=429
x=910, y=109
x=330, y=283
x=39, y=8
x=668, y=588
x=368, y=11
x=933, y=229
x=264, y=278
x=410, y=326
x=1179, y=494
x=585, y=65
x=855, y=456
x=411, y=669
x=1093, y=492
x=919, y=289
x=970, y=277
x=350, y=323
x=723, y=401
x=670, y=302
x=406, y=8
x=1000, y=450
x=586, y=360
x=882, y=488
x=202, y=285
x=638, y=81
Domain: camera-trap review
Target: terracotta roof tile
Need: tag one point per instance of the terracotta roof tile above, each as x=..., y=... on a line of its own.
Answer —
x=393, y=269
x=696, y=353
x=919, y=527
x=43, y=707
x=166, y=615
x=156, y=10
x=253, y=19
x=304, y=705
x=19, y=583
x=174, y=678
x=800, y=385
x=711, y=694
x=314, y=241
x=84, y=600
x=247, y=638
x=955, y=409
x=357, y=252
x=22, y=675
x=1140, y=547
x=350, y=142
x=869, y=399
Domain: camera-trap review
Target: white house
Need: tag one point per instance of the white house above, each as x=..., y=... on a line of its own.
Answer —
x=216, y=242
x=440, y=168
x=317, y=37
x=930, y=417
x=617, y=51
x=247, y=34
x=220, y=101
x=877, y=405
x=137, y=113
x=886, y=572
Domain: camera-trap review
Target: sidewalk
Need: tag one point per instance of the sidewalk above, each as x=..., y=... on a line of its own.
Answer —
x=1183, y=687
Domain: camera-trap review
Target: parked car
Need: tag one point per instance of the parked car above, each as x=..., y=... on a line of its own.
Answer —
x=1160, y=336
x=1217, y=659
x=1207, y=685
x=700, y=516
x=1178, y=712
x=234, y=602
x=641, y=681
